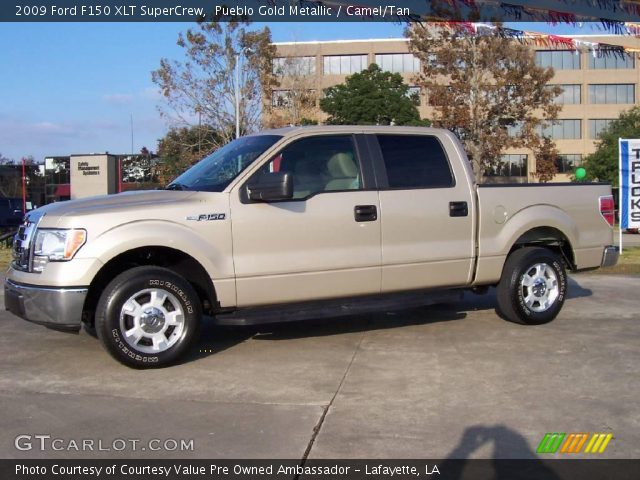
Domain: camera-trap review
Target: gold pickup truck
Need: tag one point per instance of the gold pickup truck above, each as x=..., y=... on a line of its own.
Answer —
x=303, y=223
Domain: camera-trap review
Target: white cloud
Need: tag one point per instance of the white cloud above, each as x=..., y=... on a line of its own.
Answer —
x=118, y=98
x=151, y=93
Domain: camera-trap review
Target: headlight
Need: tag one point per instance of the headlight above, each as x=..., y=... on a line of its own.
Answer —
x=56, y=246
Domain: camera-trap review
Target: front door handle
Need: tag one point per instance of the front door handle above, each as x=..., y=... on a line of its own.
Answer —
x=365, y=213
x=458, y=209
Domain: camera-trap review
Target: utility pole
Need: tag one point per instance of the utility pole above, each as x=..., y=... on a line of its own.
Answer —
x=24, y=186
x=237, y=89
x=132, y=152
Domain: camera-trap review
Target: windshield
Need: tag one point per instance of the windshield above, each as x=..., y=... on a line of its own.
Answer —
x=214, y=172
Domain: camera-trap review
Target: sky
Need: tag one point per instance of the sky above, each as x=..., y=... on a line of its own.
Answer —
x=68, y=88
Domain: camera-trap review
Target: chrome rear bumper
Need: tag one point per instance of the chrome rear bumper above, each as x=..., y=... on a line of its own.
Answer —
x=58, y=308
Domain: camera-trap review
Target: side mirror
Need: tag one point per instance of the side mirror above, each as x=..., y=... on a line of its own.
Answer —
x=271, y=187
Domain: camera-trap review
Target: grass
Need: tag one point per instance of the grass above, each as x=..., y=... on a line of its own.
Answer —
x=5, y=258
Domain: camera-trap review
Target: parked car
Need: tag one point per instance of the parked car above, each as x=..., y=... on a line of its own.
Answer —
x=303, y=223
x=10, y=212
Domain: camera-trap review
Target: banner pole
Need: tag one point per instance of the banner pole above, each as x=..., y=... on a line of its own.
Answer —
x=620, y=194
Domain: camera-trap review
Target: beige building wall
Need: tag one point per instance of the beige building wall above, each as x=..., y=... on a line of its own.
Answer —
x=583, y=76
x=93, y=175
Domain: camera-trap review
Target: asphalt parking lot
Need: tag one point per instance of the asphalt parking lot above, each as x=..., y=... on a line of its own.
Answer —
x=434, y=382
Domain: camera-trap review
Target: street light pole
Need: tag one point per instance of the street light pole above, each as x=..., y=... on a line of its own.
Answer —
x=238, y=95
x=237, y=89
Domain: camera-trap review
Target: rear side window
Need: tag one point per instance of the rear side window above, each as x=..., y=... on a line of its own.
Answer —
x=415, y=161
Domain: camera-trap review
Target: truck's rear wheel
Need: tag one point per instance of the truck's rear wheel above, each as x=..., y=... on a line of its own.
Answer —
x=148, y=317
x=533, y=286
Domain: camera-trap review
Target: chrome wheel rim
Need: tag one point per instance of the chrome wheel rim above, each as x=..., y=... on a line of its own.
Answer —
x=539, y=287
x=152, y=320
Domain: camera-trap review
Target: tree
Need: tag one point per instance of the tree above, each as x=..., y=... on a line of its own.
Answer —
x=371, y=97
x=182, y=147
x=4, y=160
x=295, y=102
x=546, y=160
x=485, y=88
x=202, y=89
x=602, y=165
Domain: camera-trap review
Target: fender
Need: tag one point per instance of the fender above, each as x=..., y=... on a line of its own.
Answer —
x=214, y=252
x=527, y=219
x=493, y=248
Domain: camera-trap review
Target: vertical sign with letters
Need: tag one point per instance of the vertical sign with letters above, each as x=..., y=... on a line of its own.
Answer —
x=629, y=183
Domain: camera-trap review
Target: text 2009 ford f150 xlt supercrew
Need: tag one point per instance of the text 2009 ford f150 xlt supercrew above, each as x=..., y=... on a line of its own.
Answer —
x=302, y=222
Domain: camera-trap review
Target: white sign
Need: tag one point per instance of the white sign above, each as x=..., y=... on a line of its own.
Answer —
x=629, y=200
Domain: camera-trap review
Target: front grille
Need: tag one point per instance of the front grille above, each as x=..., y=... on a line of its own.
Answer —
x=23, y=242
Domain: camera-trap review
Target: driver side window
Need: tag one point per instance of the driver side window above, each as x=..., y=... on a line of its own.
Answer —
x=319, y=164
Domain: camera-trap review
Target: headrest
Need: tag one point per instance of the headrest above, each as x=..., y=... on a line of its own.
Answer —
x=342, y=165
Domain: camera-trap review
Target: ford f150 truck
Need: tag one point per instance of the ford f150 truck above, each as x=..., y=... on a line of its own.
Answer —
x=303, y=222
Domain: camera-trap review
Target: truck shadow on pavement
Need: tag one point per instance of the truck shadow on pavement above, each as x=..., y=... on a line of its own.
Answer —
x=215, y=339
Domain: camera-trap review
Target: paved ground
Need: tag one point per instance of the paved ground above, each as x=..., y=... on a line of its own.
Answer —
x=430, y=382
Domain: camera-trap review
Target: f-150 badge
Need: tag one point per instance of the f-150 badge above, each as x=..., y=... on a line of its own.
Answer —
x=204, y=217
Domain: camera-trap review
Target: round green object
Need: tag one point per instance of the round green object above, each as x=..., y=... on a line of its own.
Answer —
x=580, y=173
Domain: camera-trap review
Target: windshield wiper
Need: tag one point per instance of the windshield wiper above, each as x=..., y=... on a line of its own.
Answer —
x=174, y=186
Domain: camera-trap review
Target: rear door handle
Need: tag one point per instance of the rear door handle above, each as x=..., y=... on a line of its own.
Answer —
x=458, y=209
x=365, y=213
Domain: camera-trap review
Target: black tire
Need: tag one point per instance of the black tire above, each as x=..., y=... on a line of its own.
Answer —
x=536, y=304
x=173, y=323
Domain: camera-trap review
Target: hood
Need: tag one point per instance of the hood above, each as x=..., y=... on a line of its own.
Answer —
x=142, y=199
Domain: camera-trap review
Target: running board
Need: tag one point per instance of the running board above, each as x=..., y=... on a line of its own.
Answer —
x=341, y=307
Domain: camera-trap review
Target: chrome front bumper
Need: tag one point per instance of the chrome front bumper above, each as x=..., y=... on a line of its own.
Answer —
x=610, y=256
x=58, y=308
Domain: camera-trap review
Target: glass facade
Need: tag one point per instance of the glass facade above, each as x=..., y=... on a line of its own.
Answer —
x=414, y=94
x=568, y=162
x=57, y=174
x=565, y=129
x=612, y=93
x=571, y=95
x=511, y=165
x=344, y=64
x=291, y=66
x=398, y=62
x=597, y=125
x=558, y=59
x=612, y=62
x=282, y=98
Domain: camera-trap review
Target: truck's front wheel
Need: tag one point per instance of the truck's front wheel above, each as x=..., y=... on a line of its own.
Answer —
x=148, y=317
x=533, y=286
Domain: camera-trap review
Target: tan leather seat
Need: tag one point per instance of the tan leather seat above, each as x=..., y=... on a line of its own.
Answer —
x=343, y=172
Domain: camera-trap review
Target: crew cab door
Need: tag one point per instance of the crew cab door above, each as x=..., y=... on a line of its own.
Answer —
x=427, y=212
x=322, y=243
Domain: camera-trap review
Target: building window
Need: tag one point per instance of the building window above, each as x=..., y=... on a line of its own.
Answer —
x=571, y=94
x=568, y=162
x=414, y=94
x=511, y=165
x=558, y=59
x=285, y=98
x=596, y=126
x=294, y=66
x=280, y=98
x=612, y=93
x=398, y=62
x=567, y=129
x=613, y=62
x=344, y=64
